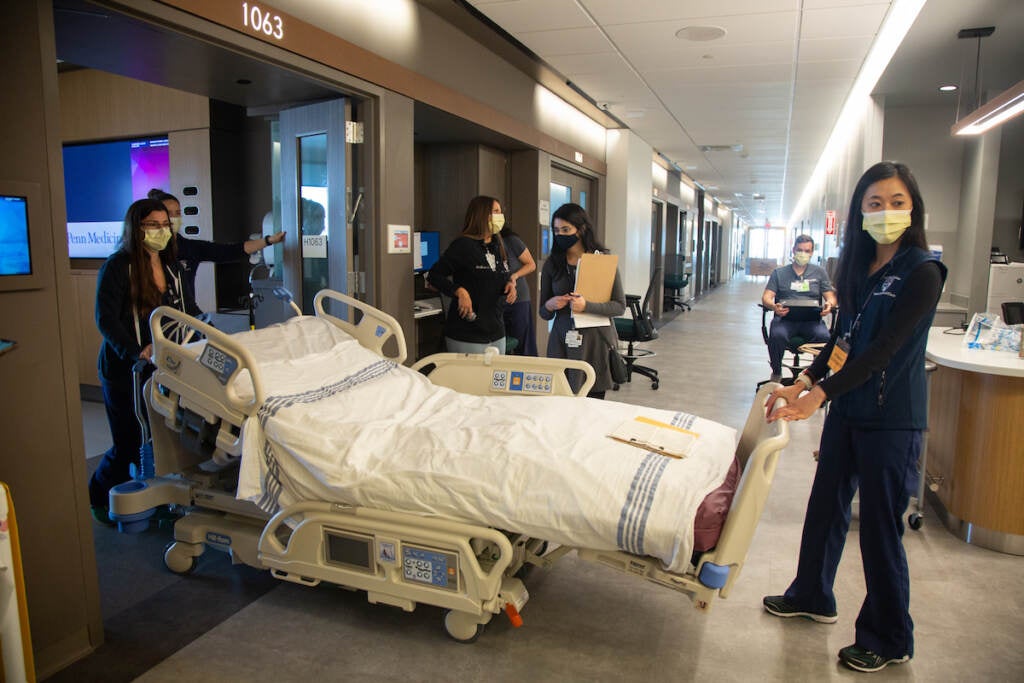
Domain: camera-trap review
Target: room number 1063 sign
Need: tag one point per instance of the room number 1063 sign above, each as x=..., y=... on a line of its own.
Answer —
x=262, y=21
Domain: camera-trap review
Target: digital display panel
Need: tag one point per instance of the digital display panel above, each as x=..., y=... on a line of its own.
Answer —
x=15, y=256
x=349, y=550
x=101, y=180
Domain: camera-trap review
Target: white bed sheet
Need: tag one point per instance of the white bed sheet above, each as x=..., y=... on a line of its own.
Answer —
x=341, y=424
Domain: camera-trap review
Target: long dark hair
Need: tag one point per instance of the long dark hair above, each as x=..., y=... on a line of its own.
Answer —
x=576, y=215
x=858, y=246
x=478, y=221
x=144, y=291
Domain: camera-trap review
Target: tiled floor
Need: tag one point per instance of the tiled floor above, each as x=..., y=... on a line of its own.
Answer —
x=583, y=622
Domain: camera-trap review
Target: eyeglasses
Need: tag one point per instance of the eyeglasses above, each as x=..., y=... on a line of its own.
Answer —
x=153, y=225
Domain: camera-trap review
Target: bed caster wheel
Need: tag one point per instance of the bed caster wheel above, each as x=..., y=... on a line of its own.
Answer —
x=462, y=627
x=915, y=520
x=615, y=387
x=177, y=560
x=654, y=386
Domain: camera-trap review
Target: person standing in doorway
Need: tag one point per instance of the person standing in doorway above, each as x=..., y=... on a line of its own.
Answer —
x=473, y=272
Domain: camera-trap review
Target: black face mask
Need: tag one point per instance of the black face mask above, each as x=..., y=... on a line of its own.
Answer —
x=565, y=242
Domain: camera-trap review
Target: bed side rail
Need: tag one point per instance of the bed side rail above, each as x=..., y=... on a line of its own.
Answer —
x=758, y=449
x=492, y=373
x=374, y=329
x=204, y=374
x=302, y=557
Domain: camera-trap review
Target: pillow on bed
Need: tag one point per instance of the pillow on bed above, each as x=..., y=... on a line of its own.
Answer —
x=707, y=526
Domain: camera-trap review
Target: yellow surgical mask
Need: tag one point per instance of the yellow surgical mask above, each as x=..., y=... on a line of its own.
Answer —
x=497, y=222
x=157, y=239
x=885, y=227
x=801, y=258
x=175, y=224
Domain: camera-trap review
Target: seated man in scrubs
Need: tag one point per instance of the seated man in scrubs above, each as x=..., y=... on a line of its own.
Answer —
x=797, y=281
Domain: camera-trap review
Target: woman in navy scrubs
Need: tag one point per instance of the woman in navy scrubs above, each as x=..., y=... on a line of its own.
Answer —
x=872, y=370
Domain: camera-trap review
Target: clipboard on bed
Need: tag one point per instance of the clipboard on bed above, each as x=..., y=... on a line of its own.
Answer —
x=595, y=277
x=652, y=435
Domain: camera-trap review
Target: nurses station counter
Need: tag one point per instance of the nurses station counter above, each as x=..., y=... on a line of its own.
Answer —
x=975, y=454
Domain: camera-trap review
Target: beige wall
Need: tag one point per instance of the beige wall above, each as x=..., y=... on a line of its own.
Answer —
x=43, y=456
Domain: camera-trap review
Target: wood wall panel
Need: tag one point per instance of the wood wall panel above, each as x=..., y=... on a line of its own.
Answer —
x=95, y=105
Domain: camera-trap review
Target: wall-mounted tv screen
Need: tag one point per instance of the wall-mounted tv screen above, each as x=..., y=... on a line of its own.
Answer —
x=426, y=250
x=101, y=180
x=15, y=257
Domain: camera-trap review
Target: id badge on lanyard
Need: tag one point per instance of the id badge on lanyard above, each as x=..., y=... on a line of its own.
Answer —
x=840, y=352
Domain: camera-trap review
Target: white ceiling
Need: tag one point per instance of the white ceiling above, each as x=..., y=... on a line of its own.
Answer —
x=774, y=83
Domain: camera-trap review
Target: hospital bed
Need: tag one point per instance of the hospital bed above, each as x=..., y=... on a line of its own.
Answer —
x=308, y=449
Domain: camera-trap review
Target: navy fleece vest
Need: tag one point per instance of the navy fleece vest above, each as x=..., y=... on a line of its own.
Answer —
x=895, y=397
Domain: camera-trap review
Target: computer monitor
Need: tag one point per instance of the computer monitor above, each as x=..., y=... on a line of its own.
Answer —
x=23, y=225
x=15, y=254
x=426, y=250
x=101, y=180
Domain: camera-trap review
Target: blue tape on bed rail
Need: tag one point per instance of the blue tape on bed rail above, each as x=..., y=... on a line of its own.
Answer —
x=714, y=575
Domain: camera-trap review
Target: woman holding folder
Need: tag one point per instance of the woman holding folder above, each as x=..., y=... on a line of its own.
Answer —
x=582, y=327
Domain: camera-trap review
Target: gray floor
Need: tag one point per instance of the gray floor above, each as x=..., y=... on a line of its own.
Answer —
x=583, y=622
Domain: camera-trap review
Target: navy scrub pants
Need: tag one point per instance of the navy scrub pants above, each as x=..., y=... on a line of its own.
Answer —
x=782, y=330
x=119, y=401
x=884, y=464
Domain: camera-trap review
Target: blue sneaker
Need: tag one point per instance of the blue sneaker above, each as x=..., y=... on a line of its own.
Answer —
x=860, y=659
x=780, y=606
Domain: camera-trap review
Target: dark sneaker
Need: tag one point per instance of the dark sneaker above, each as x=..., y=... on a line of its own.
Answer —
x=859, y=659
x=782, y=607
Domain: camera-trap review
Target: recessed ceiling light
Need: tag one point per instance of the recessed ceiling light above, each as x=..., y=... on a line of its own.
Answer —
x=700, y=34
x=947, y=88
x=712, y=187
x=635, y=113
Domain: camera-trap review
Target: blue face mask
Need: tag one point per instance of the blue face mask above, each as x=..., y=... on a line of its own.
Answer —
x=565, y=242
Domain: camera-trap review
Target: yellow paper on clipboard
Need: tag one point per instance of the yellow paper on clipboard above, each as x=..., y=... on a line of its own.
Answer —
x=595, y=277
x=652, y=435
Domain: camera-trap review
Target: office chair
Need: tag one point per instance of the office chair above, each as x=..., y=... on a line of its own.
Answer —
x=675, y=283
x=639, y=327
x=1013, y=312
x=794, y=365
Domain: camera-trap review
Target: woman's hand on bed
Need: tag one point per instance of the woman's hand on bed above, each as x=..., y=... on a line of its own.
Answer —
x=147, y=353
x=796, y=408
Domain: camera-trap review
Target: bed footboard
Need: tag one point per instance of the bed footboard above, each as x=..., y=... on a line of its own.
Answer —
x=758, y=450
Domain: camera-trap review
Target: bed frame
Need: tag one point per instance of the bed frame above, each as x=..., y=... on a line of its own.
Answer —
x=471, y=571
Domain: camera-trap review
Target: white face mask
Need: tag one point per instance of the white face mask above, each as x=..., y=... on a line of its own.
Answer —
x=885, y=227
x=801, y=258
x=175, y=224
x=497, y=222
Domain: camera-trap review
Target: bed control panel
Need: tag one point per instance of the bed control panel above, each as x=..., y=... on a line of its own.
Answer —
x=430, y=566
x=521, y=382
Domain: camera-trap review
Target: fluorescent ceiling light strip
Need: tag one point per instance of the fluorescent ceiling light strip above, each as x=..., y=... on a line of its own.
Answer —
x=901, y=16
x=1004, y=106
